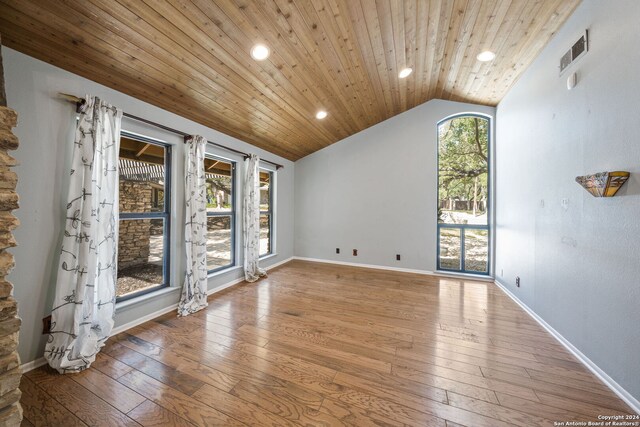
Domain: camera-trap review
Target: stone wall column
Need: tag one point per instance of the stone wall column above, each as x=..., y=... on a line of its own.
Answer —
x=10, y=373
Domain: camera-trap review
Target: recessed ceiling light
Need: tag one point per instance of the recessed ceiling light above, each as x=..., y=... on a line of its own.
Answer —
x=486, y=56
x=321, y=114
x=404, y=72
x=259, y=52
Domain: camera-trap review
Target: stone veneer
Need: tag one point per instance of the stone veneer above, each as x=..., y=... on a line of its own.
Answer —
x=10, y=372
x=133, y=240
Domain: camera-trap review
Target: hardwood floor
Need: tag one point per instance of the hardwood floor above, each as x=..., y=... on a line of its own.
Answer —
x=320, y=344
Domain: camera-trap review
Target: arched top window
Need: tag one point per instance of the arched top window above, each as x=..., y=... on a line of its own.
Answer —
x=464, y=193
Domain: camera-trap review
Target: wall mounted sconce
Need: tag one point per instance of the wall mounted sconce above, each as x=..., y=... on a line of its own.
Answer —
x=603, y=184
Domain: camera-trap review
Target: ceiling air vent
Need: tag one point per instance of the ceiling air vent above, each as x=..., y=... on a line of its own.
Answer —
x=578, y=49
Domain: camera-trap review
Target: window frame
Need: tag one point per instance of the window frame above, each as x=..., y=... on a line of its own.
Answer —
x=269, y=212
x=232, y=214
x=165, y=215
x=463, y=227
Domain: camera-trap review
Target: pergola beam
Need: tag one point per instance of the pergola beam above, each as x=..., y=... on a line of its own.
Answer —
x=142, y=150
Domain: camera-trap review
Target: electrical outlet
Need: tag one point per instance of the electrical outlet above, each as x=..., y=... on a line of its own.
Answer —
x=518, y=281
x=337, y=250
x=46, y=325
x=397, y=257
x=355, y=252
x=501, y=272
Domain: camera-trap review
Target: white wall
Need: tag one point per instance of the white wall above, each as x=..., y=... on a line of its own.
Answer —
x=45, y=130
x=580, y=266
x=375, y=191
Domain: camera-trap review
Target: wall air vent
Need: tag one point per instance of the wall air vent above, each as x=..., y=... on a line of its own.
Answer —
x=578, y=49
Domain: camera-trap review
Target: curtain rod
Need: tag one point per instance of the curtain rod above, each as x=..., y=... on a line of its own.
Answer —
x=79, y=101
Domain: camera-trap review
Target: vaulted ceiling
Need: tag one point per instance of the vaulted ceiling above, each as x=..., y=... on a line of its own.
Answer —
x=191, y=57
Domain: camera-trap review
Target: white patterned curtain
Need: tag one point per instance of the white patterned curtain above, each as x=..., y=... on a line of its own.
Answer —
x=194, y=290
x=251, y=220
x=85, y=296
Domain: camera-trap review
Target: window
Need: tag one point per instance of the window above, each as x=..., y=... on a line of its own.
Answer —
x=221, y=201
x=463, y=194
x=143, y=237
x=266, y=212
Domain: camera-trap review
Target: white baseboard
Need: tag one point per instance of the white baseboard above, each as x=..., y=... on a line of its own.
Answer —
x=29, y=366
x=399, y=269
x=372, y=266
x=279, y=263
x=609, y=382
x=140, y=320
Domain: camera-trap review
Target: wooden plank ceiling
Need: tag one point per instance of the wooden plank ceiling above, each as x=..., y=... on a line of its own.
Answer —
x=191, y=57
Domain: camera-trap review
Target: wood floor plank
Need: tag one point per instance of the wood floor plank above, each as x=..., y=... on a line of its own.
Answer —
x=462, y=353
x=585, y=409
x=257, y=370
x=350, y=415
x=181, y=363
x=431, y=364
x=176, y=401
x=285, y=359
x=109, y=390
x=161, y=372
x=341, y=334
x=611, y=401
x=246, y=412
x=407, y=400
x=40, y=409
x=296, y=386
x=592, y=385
x=387, y=408
x=277, y=398
x=392, y=384
x=110, y=366
x=470, y=348
x=557, y=352
x=280, y=365
x=85, y=405
x=149, y=414
x=456, y=378
x=498, y=412
x=425, y=360
x=538, y=409
x=320, y=344
x=354, y=326
x=260, y=373
x=330, y=352
x=200, y=326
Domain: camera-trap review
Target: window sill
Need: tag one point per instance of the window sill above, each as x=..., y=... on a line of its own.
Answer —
x=146, y=297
